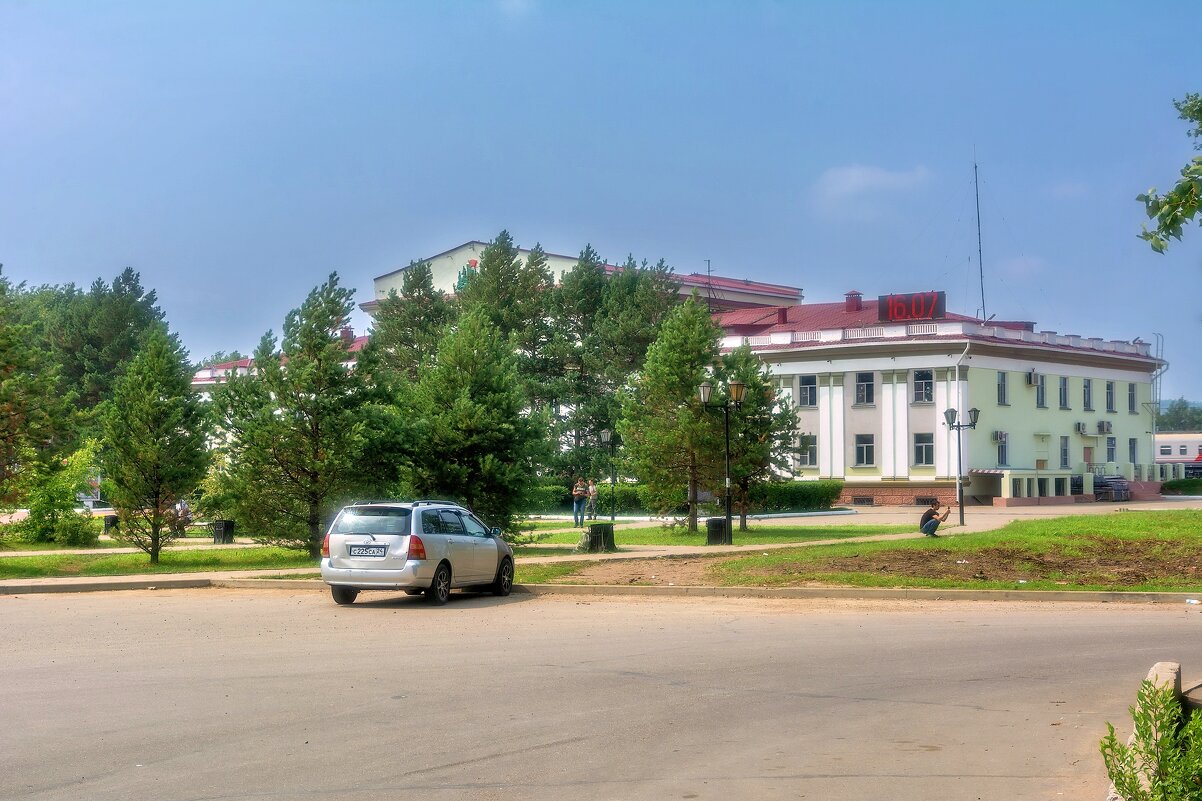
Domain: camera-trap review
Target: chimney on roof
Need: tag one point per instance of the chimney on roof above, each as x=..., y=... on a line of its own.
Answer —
x=782, y=314
x=348, y=335
x=854, y=301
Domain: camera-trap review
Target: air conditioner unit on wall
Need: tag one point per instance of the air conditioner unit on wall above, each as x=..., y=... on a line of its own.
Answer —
x=1082, y=428
x=999, y=436
x=1032, y=378
x=1105, y=427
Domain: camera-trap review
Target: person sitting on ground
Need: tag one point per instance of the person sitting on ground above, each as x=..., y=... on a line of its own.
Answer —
x=931, y=519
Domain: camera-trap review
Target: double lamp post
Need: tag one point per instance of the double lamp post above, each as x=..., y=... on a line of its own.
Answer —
x=736, y=391
x=950, y=416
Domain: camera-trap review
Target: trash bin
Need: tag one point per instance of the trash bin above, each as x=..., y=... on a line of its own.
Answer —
x=715, y=531
x=110, y=523
x=601, y=537
x=223, y=532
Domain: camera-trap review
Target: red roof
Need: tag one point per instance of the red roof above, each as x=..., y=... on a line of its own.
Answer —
x=808, y=317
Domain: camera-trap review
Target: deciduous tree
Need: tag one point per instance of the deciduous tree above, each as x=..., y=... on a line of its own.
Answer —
x=1174, y=210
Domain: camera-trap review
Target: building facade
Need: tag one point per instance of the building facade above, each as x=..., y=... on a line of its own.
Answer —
x=720, y=293
x=872, y=381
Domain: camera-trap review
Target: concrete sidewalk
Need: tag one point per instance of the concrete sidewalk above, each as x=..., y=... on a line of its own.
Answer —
x=976, y=519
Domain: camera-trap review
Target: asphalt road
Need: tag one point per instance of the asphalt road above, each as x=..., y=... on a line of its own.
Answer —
x=278, y=694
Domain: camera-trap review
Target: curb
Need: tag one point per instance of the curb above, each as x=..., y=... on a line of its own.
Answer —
x=781, y=593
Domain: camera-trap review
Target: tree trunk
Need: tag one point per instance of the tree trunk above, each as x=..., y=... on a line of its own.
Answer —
x=156, y=543
x=315, y=536
x=692, y=497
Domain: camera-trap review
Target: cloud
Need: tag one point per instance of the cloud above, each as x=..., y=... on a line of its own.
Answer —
x=1068, y=189
x=515, y=8
x=858, y=191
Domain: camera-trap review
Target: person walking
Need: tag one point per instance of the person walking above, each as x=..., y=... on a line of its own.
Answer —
x=579, y=499
x=591, y=507
x=931, y=519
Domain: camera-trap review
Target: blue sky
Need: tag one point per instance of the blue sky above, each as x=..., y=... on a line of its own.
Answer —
x=235, y=153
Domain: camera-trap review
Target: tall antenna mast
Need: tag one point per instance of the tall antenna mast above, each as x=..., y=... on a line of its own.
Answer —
x=976, y=185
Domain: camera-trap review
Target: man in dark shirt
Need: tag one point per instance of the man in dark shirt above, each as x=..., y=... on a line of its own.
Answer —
x=931, y=519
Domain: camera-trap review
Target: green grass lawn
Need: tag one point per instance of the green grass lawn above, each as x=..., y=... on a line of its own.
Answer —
x=757, y=535
x=541, y=574
x=1129, y=551
x=15, y=544
x=181, y=561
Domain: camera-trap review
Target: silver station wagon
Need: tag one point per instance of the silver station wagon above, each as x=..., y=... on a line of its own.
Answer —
x=425, y=547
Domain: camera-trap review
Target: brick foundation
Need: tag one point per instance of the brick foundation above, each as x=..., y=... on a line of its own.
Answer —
x=900, y=495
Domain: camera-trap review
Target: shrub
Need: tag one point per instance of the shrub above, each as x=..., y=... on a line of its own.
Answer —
x=1182, y=486
x=795, y=496
x=1164, y=760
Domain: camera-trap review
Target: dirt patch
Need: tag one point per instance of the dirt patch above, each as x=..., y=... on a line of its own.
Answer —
x=1090, y=560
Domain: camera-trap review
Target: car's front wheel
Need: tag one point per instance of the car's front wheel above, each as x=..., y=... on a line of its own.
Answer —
x=440, y=588
x=503, y=584
x=344, y=595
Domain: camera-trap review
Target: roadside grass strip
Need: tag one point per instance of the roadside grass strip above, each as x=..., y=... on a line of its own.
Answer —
x=545, y=574
x=757, y=535
x=182, y=561
x=1125, y=552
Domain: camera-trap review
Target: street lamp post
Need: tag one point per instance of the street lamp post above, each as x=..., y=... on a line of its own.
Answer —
x=607, y=439
x=950, y=416
x=736, y=392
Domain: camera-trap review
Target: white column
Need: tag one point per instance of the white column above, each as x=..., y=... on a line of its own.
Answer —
x=831, y=445
x=887, y=409
x=945, y=445
x=901, y=431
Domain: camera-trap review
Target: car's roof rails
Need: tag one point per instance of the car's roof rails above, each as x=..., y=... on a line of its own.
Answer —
x=432, y=501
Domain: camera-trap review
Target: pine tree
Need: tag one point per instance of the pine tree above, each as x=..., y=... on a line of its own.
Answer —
x=474, y=439
x=669, y=436
x=407, y=326
x=294, y=426
x=510, y=291
x=763, y=432
x=154, y=444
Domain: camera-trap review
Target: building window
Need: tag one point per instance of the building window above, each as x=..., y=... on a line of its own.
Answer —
x=1133, y=450
x=1003, y=394
x=807, y=451
x=1110, y=407
x=1087, y=394
x=1131, y=398
x=865, y=395
x=1200, y=450
x=809, y=391
x=924, y=386
x=1003, y=453
x=1063, y=392
x=784, y=388
x=865, y=450
x=1041, y=391
x=1064, y=453
x=1112, y=447
x=924, y=450
x=1166, y=450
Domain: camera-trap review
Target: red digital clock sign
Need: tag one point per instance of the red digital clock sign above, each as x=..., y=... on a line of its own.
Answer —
x=913, y=306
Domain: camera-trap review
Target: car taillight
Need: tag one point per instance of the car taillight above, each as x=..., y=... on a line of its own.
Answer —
x=325, y=546
x=417, y=548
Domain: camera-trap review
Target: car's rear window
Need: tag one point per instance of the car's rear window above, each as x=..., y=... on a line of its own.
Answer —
x=372, y=520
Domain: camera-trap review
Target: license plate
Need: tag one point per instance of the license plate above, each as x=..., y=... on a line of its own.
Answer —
x=367, y=550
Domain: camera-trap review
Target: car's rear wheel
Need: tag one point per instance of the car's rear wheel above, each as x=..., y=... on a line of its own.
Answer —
x=344, y=595
x=440, y=588
x=503, y=584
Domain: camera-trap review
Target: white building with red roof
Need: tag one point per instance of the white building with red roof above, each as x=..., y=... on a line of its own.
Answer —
x=1062, y=418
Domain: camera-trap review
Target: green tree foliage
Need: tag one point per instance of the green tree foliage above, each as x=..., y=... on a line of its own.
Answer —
x=34, y=415
x=95, y=335
x=407, y=326
x=510, y=291
x=154, y=444
x=669, y=437
x=50, y=490
x=293, y=427
x=762, y=432
x=1164, y=760
x=475, y=440
x=1174, y=210
x=220, y=357
x=1180, y=416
